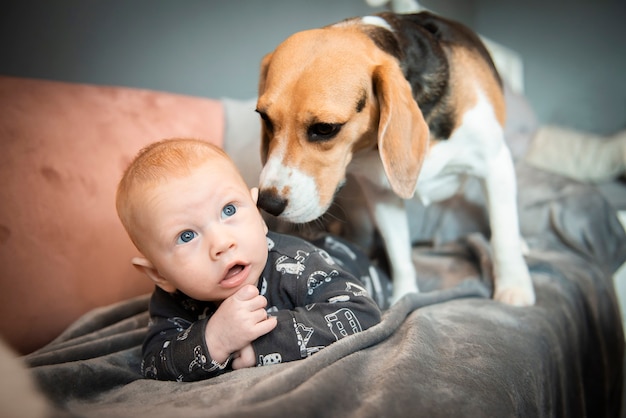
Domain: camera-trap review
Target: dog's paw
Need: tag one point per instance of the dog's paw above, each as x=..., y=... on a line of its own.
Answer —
x=516, y=295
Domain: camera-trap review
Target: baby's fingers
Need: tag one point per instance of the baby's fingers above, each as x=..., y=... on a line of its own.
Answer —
x=244, y=358
x=258, y=302
x=265, y=326
x=246, y=293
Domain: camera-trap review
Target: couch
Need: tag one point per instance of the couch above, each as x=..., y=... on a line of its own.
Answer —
x=74, y=311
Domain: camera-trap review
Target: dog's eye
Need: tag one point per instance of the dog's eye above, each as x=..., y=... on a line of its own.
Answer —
x=323, y=131
x=266, y=120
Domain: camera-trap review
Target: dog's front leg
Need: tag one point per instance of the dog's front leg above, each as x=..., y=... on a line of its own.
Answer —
x=513, y=284
x=389, y=215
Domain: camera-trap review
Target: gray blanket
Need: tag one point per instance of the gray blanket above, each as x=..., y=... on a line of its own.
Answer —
x=449, y=351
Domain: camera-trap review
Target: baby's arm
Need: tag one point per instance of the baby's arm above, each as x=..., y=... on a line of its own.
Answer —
x=174, y=348
x=177, y=346
x=329, y=304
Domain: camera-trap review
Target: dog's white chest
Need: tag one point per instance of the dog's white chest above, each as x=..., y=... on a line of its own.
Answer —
x=439, y=188
x=467, y=152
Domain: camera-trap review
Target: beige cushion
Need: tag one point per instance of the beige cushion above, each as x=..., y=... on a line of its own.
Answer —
x=577, y=154
x=64, y=146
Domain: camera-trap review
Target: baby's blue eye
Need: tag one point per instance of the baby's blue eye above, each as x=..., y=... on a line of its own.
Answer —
x=229, y=210
x=186, y=236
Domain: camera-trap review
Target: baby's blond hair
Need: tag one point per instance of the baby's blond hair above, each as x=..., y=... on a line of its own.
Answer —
x=155, y=164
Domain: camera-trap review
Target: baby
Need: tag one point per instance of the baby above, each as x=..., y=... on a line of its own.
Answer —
x=229, y=294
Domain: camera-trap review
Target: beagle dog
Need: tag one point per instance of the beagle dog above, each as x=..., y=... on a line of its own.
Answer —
x=407, y=104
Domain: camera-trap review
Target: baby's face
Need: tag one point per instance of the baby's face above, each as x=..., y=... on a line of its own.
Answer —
x=204, y=233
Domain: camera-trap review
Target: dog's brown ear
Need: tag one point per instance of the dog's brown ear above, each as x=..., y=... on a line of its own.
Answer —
x=265, y=62
x=403, y=134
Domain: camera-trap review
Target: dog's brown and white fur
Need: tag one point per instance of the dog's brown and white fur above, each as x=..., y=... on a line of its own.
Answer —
x=387, y=98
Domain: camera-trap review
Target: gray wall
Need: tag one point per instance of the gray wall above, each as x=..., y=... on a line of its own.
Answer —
x=574, y=54
x=573, y=50
x=205, y=48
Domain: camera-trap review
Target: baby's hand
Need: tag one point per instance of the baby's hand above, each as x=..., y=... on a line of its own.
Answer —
x=244, y=358
x=238, y=321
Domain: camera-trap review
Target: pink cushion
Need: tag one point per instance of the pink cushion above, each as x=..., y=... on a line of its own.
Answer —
x=64, y=146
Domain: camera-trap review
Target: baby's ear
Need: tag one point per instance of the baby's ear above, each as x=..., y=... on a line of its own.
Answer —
x=145, y=266
x=254, y=192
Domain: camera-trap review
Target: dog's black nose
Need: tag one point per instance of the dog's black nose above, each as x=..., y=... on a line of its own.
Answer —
x=270, y=202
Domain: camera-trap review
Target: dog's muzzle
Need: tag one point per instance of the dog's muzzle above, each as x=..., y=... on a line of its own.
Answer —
x=270, y=202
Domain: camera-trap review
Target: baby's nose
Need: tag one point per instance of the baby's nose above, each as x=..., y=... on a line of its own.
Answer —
x=221, y=243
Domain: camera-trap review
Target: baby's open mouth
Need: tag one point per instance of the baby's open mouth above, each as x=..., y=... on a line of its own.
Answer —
x=235, y=276
x=233, y=271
